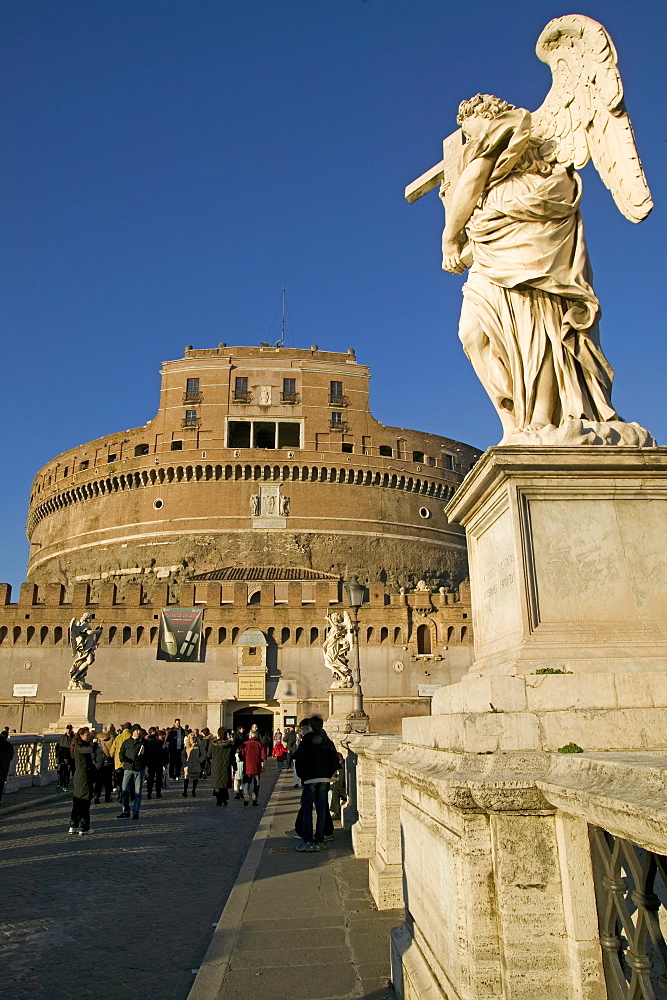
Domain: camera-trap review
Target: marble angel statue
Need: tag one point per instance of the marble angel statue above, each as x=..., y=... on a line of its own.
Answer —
x=84, y=640
x=336, y=649
x=509, y=183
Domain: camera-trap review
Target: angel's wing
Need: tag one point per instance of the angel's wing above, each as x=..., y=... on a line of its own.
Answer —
x=584, y=112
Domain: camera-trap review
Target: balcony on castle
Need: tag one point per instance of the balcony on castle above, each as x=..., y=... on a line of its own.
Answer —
x=190, y=422
x=290, y=397
x=335, y=400
x=192, y=397
x=242, y=397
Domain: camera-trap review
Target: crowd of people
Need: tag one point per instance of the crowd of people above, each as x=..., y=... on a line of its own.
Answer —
x=124, y=761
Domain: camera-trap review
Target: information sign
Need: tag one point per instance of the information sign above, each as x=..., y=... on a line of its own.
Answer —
x=25, y=690
x=252, y=687
x=427, y=690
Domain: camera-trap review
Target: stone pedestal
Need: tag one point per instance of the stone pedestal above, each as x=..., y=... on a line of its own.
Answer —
x=568, y=559
x=345, y=715
x=77, y=708
x=568, y=570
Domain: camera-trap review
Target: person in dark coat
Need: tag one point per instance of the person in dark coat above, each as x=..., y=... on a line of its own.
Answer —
x=133, y=758
x=84, y=781
x=64, y=758
x=175, y=741
x=103, y=770
x=6, y=755
x=157, y=755
x=222, y=761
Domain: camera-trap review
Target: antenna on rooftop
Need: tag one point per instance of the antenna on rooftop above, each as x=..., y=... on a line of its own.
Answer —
x=282, y=305
x=281, y=342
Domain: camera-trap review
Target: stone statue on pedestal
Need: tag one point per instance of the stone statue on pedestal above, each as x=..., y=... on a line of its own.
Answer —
x=511, y=191
x=336, y=648
x=85, y=641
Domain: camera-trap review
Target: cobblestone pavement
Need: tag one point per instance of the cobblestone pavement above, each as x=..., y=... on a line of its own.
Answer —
x=127, y=912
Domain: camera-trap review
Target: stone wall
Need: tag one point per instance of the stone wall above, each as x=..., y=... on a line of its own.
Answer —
x=132, y=681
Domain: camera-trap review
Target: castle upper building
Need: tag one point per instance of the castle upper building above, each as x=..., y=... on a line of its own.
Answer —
x=260, y=483
x=258, y=456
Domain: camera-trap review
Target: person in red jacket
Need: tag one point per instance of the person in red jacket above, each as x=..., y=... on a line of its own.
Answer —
x=253, y=753
x=280, y=752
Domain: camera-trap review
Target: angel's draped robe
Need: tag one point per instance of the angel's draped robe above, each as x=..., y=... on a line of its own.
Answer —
x=527, y=301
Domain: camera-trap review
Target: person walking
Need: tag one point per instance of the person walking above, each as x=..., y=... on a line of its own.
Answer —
x=316, y=760
x=280, y=753
x=253, y=753
x=124, y=734
x=6, y=757
x=289, y=739
x=337, y=791
x=192, y=762
x=222, y=758
x=175, y=742
x=155, y=757
x=84, y=780
x=103, y=762
x=238, y=739
x=64, y=758
x=133, y=758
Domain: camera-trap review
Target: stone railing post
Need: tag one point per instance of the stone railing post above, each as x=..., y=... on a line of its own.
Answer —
x=360, y=812
x=385, y=873
x=44, y=774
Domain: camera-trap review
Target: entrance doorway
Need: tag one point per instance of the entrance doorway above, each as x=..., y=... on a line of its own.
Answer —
x=263, y=717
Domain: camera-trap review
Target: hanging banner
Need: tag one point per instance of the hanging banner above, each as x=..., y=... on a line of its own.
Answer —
x=180, y=635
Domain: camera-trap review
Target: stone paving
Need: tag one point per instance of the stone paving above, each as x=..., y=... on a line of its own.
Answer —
x=298, y=926
x=127, y=912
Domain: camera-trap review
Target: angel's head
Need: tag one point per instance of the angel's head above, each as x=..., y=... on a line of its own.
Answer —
x=480, y=106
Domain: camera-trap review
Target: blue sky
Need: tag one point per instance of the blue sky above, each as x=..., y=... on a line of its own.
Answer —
x=166, y=164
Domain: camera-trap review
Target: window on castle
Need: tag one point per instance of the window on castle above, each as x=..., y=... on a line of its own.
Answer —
x=347, y=448
x=449, y=462
x=335, y=390
x=423, y=640
x=289, y=435
x=241, y=388
x=289, y=387
x=141, y=449
x=417, y=456
x=84, y=465
x=177, y=446
x=336, y=418
x=192, y=387
x=265, y=435
x=386, y=451
x=431, y=460
x=112, y=456
x=238, y=434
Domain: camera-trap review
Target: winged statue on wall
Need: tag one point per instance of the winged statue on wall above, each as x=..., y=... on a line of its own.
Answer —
x=511, y=191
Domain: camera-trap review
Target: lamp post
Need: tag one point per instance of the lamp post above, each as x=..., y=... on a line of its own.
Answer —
x=357, y=718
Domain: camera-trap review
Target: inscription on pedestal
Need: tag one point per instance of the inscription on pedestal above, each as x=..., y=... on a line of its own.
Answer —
x=493, y=574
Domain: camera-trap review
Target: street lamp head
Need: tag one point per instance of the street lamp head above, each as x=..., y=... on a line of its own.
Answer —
x=355, y=592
